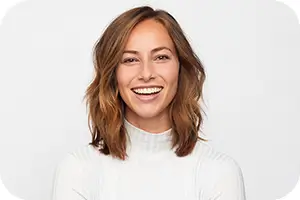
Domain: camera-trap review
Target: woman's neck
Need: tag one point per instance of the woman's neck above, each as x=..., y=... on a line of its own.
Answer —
x=141, y=141
x=152, y=125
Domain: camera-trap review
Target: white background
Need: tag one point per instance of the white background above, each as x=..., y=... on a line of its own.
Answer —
x=250, y=52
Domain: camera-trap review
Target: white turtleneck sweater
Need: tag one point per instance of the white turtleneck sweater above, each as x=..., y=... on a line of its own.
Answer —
x=152, y=172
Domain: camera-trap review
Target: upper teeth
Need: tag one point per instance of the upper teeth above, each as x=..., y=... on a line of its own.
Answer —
x=147, y=90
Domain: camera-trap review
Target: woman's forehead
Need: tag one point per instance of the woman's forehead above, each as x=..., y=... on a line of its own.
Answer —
x=149, y=35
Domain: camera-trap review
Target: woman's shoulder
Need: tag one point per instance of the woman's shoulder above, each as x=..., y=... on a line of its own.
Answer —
x=218, y=172
x=77, y=171
x=215, y=160
x=79, y=158
x=85, y=153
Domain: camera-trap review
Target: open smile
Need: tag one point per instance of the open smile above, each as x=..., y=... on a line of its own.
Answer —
x=147, y=95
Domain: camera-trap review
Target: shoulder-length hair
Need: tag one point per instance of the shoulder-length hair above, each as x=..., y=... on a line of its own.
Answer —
x=106, y=117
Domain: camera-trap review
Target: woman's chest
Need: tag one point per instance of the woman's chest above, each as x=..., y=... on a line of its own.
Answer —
x=154, y=179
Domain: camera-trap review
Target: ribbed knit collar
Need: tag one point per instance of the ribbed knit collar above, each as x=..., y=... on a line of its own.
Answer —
x=144, y=141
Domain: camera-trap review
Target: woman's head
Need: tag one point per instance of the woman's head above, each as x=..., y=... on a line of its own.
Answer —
x=144, y=51
x=149, y=65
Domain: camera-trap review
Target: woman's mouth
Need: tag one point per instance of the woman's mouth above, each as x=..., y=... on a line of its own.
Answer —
x=147, y=91
x=147, y=95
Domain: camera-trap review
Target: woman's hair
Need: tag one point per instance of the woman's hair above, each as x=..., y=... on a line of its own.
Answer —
x=106, y=112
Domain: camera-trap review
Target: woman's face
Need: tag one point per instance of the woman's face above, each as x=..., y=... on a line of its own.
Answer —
x=147, y=74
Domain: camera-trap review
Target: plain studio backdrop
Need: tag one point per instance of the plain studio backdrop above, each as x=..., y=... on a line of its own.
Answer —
x=250, y=50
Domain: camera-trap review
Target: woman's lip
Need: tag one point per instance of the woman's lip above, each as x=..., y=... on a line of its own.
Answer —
x=147, y=98
x=150, y=86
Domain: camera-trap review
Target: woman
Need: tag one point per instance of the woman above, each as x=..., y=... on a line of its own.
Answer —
x=145, y=118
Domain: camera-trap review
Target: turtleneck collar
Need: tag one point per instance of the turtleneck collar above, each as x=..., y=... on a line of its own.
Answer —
x=143, y=141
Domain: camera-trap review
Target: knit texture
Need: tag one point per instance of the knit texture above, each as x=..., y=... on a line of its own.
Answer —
x=151, y=172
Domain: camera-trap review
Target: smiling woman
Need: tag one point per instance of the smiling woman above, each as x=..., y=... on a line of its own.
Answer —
x=145, y=119
x=147, y=76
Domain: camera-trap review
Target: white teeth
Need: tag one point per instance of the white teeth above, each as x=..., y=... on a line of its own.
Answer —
x=147, y=90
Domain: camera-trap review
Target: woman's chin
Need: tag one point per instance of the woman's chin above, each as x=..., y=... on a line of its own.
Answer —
x=146, y=113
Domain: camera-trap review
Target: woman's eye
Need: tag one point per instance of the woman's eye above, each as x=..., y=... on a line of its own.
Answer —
x=129, y=60
x=162, y=57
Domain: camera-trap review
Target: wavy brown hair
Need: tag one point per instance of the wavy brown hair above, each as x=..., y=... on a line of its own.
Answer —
x=105, y=105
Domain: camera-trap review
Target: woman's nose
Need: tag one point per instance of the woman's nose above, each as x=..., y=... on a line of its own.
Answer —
x=147, y=71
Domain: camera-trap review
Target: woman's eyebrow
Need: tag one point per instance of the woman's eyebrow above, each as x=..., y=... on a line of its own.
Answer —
x=152, y=51
x=160, y=48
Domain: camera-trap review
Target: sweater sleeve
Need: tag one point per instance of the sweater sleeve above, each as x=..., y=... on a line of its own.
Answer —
x=229, y=184
x=68, y=178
